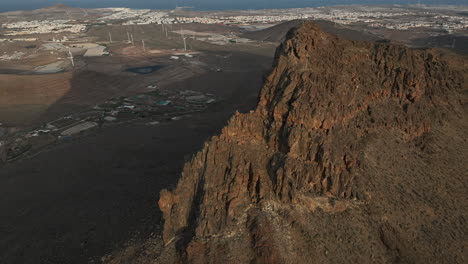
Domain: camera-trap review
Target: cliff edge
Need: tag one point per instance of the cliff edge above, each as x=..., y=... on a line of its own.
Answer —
x=355, y=153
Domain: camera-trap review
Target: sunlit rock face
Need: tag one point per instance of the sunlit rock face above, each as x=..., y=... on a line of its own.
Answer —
x=355, y=153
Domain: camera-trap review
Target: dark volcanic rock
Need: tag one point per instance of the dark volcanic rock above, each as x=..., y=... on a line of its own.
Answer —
x=356, y=153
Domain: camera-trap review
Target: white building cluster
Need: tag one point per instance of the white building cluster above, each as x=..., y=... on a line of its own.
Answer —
x=153, y=17
x=398, y=18
x=18, y=39
x=123, y=13
x=386, y=17
x=17, y=55
x=41, y=27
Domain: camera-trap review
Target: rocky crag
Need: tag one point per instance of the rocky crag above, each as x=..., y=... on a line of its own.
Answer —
x=356, y=153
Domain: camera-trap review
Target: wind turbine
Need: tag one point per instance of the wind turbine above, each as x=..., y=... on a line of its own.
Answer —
x=185, y=42
x=84, y=11
x=71, y=57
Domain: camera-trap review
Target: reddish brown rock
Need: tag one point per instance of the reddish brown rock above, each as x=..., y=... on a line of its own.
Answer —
x=356, y=153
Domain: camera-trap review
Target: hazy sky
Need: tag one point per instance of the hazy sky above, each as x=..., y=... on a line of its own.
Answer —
x=207, y=4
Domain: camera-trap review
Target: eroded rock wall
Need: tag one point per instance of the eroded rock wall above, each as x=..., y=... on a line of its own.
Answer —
x=297, y=180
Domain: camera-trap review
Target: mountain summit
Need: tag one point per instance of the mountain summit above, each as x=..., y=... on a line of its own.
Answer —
x=356, y=153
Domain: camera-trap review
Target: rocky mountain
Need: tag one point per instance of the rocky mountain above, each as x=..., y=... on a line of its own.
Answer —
x=356, y=153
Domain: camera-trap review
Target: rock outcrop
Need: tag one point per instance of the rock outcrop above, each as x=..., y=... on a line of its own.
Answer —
x=356, y=153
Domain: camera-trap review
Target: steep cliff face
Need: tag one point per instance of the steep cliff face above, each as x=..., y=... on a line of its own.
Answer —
x=355, y=153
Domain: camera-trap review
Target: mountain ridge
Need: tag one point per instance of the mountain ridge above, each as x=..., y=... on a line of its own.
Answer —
x=341, y=128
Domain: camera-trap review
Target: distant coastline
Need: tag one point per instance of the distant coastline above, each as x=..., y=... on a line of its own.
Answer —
x=209, y=5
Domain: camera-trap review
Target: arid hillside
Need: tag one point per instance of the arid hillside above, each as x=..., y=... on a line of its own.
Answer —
x=278, y=32
x=356, y=153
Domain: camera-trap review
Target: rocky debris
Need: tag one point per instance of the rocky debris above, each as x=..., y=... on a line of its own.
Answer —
x=356, y=153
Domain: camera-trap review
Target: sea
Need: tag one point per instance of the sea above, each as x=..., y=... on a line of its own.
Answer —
x=209, y=5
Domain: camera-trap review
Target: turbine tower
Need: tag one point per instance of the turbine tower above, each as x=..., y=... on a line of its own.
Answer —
x=185, y=42
x=71, y=57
